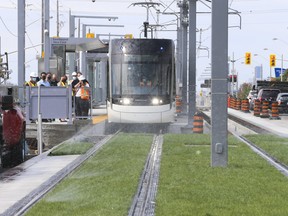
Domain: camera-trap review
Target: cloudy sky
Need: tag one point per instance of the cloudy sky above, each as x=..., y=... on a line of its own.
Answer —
x=253, y=31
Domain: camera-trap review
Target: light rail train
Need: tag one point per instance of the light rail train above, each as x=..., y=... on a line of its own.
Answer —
x=141, y=81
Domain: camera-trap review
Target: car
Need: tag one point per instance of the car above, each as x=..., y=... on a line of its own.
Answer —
x=282, y=100
x=251, y=97
x=268, y=94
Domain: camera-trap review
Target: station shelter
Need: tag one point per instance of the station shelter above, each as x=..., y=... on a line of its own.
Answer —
x=87, y=55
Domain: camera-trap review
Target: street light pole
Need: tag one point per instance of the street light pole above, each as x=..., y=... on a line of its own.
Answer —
x=232, y=72
x=281, y=75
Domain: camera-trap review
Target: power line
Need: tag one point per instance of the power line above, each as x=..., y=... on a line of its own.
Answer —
x=7, y=27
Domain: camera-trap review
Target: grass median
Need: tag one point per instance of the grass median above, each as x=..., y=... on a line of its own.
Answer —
x=103, y=185
x=274, y=145
x=70, y=148
x=188, y=185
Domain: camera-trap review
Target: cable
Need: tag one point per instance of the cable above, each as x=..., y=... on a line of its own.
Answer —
x=7, y=27
x=31, y=42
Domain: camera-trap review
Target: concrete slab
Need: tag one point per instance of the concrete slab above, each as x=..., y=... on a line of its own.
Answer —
x=278, y=127
x=28, y=176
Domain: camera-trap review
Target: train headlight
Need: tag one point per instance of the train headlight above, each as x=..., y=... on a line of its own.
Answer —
x=156, y=101
x=125, y=101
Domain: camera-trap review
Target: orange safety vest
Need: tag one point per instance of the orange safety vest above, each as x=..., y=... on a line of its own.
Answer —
x=84, y=93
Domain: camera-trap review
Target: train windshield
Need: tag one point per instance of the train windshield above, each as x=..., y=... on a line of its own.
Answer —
x=141, y=75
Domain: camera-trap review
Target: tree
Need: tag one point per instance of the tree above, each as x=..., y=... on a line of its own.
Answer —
x=244, y=90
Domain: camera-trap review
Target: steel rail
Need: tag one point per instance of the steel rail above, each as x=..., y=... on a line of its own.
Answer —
x=283, y=168
x=144, y=199
x=33, y=197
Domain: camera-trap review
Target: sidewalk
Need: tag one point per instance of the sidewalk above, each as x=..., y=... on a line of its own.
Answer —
x=19, y=181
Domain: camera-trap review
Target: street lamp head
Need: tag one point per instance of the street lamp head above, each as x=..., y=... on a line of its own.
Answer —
x=275, y=39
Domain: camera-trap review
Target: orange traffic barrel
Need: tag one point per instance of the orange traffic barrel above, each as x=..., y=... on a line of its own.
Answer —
x=178, y=102
x=264, y=111
x=238, y=104
x=257, y=107
x=245, y=105
x=228, y=101
x=275, y=111
x=198, y=123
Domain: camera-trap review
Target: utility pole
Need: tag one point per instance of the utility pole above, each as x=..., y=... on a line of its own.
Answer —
x=47, y=36
x=232, y=73
x=21, y=49
x=219, y=145
x=192, y=62
x=184, y=24
x=42, y=28
x=58, y=22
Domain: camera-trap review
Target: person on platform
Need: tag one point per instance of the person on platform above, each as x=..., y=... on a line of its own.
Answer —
x=54, y=81
x=49, y=77
x=73, y=82
x=33, y=80
x=82, y=97
x=63, y=81
x=43, y=81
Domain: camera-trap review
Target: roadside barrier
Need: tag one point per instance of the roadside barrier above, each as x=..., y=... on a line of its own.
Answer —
x=238, y=104
x=275, y=111
x=233, y=103
x=229, y=101
x=178, y=102
x=198, y=123
x=257, y=107
x=245, y=105
x=264, y=111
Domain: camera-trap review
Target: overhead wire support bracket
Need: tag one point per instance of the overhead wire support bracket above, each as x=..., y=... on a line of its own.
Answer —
x=232, y=12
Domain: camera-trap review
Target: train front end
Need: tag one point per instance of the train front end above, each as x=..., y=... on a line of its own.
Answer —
x=141, y=81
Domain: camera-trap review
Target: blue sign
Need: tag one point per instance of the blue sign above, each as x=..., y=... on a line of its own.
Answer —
x=278, y=71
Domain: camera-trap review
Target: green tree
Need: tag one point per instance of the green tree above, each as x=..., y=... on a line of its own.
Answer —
x=244, y=90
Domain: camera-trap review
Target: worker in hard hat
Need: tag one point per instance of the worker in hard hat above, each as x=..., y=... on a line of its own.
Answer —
x=73, y=82
x=33, y=80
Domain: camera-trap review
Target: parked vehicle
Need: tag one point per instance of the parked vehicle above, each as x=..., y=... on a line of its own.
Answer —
x=251, y=97
x=282, y=100
x=268, y=95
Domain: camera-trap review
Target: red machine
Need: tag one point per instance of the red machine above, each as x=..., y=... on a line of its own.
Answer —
x=12, y=133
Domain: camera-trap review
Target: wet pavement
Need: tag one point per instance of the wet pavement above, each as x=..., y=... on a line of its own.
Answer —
x=19, y=181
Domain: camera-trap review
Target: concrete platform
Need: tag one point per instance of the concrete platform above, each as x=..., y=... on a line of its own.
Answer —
x=278, y=127
x=19, y=181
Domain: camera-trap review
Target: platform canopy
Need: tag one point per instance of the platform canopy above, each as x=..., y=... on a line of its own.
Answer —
x=80, y=44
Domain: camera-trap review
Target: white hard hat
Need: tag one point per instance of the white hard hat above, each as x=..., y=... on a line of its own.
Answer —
x=33, y=74
x=74, y=74
x=81, y=77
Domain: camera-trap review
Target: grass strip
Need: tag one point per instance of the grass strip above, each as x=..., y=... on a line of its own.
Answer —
x=188, y=185
x=103, y=185
x=274, y=145
x=69, y=148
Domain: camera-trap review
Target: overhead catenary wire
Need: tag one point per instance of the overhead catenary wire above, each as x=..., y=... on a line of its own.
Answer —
x=6, y=27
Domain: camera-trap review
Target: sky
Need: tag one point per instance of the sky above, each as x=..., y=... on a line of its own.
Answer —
x=258, y=23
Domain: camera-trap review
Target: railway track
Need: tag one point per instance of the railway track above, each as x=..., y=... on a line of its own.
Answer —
x=283, y=168
x=144, y=200
x=28, y=201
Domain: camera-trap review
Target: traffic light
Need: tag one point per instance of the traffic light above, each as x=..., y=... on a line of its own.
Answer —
x=272, y=60
x=248, y=58
x=234, y=78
